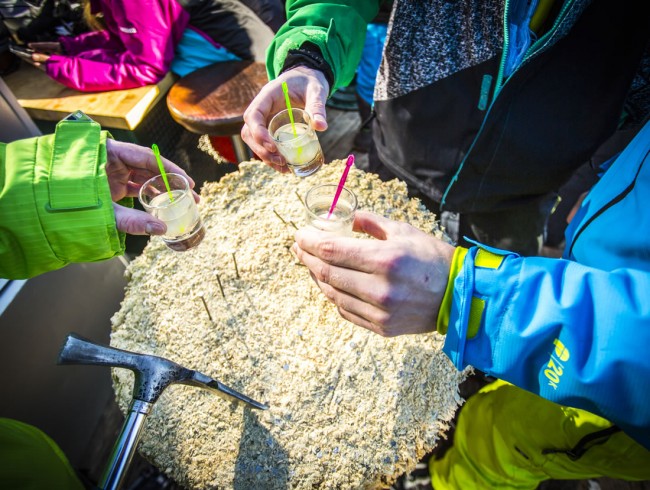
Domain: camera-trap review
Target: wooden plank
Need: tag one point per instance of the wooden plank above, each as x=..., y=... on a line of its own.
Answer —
x=48, y=100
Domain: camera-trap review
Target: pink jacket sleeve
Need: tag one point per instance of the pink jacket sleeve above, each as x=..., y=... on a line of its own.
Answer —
x=88, y=41
x=136, y=48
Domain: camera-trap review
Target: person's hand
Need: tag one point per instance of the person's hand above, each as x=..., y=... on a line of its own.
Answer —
x=308, y=88
x=46, y=47
x=43, y=50
x=128, y=167
x=393, y=285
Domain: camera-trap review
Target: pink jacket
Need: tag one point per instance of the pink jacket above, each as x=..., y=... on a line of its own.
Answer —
x=136, y=48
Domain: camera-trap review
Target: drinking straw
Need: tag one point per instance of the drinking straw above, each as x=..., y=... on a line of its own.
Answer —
x=348, y=164
x=156, y=153
x=285, y=89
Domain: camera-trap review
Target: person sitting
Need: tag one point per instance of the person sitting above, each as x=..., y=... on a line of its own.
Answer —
x=135, y=43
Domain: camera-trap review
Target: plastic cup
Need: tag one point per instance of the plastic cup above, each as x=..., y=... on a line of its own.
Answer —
x=318, y=201
x=184, y=225
x=301, y=150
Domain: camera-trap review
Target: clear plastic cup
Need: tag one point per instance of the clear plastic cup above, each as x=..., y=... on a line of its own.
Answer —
x=185, y=228
x=301, y=150
x=318, y=201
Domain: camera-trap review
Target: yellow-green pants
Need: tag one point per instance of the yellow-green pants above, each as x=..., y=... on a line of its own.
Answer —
x=502, y=432
x=30, y=460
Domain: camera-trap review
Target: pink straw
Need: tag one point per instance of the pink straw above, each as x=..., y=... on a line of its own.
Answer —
x=348, y=164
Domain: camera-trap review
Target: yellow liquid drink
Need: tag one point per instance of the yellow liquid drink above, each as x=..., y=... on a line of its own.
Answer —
x=301, y=148
x=184, y=226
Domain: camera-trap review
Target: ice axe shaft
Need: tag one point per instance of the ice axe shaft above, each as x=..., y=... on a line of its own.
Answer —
x=152, y=375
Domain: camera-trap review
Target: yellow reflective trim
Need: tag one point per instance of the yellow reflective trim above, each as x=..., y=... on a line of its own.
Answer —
x=487, y=260
x=444, y=313
x=475, y=314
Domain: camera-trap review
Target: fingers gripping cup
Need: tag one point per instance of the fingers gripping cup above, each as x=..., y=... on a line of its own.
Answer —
x=178, y=210
x=297, y=141
x=318, y=201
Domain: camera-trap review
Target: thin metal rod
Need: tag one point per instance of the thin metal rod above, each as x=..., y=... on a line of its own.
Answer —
x=299, y=198
x=205, y=305
x=125, y=446
x=235, y=261
x=221, y=287
x=279, y=217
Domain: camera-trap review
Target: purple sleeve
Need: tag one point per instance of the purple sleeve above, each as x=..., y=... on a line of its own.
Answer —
x=140, y=50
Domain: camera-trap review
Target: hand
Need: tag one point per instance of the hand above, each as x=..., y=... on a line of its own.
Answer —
x=128, y=167
x=393, y=285
x=43, y=50
x=46, y=47
x=308, y=88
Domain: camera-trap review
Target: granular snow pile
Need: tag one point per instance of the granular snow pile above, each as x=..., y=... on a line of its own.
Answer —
x=349, y=409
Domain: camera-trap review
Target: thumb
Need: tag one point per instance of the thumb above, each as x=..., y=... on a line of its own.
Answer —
x=315, y=98
x=135, y=222
x=374, y=225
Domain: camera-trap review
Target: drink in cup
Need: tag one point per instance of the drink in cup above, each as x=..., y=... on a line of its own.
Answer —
x=318, y=202
x=184, y=225
x=301, y=149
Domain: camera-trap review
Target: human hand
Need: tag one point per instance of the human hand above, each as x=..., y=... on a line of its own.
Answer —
x=46, y=47
x=43, y=51
x=392, y=286
x=308, y=88
x=128, y=167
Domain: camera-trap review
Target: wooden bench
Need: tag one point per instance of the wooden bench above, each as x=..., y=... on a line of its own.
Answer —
x=212, y=100
x=47, y=100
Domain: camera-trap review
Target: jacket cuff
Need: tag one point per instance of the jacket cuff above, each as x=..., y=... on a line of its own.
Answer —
x=309, y=55
x=466, y=309
x=77, y=214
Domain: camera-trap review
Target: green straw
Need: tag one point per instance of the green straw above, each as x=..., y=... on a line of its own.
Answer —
x=285, y=89
x=156, y=153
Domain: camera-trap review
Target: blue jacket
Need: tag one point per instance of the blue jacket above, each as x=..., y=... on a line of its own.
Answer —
x=576, y=331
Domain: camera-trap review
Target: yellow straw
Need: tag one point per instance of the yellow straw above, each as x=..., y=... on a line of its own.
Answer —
x=285, y=89
x=156, y=153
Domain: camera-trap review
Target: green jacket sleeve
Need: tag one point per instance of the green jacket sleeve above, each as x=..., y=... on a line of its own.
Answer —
x=55, y=201
x=337, y=27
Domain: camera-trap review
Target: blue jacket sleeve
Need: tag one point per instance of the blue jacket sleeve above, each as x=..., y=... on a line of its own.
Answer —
x=573, y=334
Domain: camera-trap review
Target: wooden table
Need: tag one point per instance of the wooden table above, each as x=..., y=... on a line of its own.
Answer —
x=47, y=100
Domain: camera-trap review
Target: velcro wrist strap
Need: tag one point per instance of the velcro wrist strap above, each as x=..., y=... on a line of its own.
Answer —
x=73, y=180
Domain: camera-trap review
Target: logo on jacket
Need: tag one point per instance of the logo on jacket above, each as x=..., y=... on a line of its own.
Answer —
x=555, y=368
x=129, y=30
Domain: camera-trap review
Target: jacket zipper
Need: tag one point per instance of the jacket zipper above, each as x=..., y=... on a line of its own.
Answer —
x=504, y=51
x=500, y=83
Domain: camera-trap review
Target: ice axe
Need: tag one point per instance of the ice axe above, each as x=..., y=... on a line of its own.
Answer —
x=152, y=375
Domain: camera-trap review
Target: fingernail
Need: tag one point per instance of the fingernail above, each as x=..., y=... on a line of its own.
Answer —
x=269, y=147
x=153, y=228
x=277, y=160
x=319, y=118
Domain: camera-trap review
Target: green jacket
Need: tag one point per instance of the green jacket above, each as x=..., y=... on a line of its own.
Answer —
x=55, y=201
x=337, y=27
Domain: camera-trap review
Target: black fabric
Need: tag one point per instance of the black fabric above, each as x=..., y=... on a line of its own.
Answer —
x=42, y=20
x=234, y=25
x=309, y=55
x=548, y=119
x=270, y=11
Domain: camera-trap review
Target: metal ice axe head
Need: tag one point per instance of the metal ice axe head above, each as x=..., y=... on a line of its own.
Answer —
x=152, y=375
